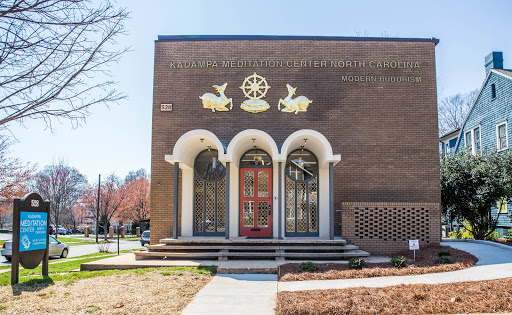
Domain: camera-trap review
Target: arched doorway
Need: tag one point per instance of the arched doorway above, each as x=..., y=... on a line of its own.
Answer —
x=209, y=194
x=256, y=194
x=301, y=193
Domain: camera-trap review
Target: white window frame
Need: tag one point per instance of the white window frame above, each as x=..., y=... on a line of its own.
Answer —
x=498, y=135
x=473, y=143
x=466, y=144
x=499, y=206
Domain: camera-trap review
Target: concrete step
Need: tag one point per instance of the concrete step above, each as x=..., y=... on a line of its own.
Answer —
x=248, y=242
x=358, y=253
x=163, y=247
x=226, y=254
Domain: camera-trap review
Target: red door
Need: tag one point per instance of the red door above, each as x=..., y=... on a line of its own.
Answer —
x=256, y=202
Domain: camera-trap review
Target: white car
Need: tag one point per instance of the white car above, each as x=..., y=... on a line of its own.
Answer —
x=57, y=248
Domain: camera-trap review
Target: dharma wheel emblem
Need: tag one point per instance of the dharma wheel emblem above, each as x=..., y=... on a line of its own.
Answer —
x=255, y=87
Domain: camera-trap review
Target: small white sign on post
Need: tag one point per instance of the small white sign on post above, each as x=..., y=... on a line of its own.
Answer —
x=414, y=245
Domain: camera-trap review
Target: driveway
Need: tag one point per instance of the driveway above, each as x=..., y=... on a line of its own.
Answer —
x=488, y=253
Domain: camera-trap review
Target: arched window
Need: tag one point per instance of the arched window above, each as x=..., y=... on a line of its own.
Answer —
x=209, y=194
x=301, y=193
x=256, y=157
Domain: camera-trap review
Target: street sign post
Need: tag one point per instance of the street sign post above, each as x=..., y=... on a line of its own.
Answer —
x=30, y=243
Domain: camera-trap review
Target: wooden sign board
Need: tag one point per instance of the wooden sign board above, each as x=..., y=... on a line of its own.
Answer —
x=30, y=243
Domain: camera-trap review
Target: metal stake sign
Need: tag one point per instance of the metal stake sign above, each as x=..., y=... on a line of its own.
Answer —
x=414, y=245
x=30, y=234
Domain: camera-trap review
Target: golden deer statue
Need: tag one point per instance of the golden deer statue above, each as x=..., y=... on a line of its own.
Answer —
x=298, y=104
x=214, y=102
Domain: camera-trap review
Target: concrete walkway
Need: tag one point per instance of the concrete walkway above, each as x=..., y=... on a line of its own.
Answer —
x=494, y=263
x=488, y=253
x=236, y=294
x=256, y=293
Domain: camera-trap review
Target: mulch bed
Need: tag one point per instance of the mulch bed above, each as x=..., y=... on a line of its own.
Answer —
x=426, y=262
x=453, y=298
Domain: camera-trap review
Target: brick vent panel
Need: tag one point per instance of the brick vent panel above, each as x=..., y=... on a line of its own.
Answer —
x=384, y=228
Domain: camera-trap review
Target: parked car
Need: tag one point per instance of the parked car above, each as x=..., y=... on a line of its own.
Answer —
x=57, y=248
x=63, y=231
x=144, y=238
x=51, y=229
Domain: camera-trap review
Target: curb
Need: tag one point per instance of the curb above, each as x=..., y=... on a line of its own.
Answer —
x=479, y=242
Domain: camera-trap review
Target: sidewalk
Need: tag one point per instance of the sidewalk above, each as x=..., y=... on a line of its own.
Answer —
x=256, y=294
x=493, y=263
x=236, y=294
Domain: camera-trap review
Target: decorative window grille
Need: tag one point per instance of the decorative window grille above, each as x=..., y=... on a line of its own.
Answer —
x=209, y=194
x=301, y=194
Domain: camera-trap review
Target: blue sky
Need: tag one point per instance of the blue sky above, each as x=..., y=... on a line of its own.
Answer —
x=118, y=139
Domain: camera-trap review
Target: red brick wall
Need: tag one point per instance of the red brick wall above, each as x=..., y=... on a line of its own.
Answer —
x=386, y=133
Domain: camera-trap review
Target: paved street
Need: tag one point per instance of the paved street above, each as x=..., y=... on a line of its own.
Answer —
x=79, y=250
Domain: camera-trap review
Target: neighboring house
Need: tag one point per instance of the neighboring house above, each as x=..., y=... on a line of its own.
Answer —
x=487, y=124
x=448, y=142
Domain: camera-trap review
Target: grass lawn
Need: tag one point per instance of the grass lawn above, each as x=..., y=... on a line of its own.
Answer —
x=146, y=291
x=137, y=291
x=2, y=242
x=76, y=241
x=65, y=260
x=92, y=239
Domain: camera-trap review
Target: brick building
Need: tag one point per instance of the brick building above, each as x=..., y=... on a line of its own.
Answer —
x=290, y=137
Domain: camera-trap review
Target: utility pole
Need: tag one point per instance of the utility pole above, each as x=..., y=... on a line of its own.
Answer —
x=98, y=209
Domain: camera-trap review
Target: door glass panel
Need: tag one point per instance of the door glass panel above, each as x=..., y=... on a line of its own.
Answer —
x=221, y=205
x=302, y=218
x=210, y=207
x=263, y=184
x=248, y=184
x=263, y=213
x=248, y=213
x=313, y=205
x=290, y=205
x=199, y=198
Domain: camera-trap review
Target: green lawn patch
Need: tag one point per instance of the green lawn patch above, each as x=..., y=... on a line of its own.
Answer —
x=66, y=260
x=76, y=241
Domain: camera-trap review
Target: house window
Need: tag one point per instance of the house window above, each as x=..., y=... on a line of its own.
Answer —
x=468, y=141
x=476, y=139
x=493, y=90
x=501, y=133
x=473, y=140
x=502, y=205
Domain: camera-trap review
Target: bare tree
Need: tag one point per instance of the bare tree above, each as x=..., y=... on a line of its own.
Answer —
x=54, y=57
x=62, y=185
x=113, y=196
x=452, y=110
x=15, y=177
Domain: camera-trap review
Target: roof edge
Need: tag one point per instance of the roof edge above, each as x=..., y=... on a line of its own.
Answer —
x=185, y=38
x=449, y=134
